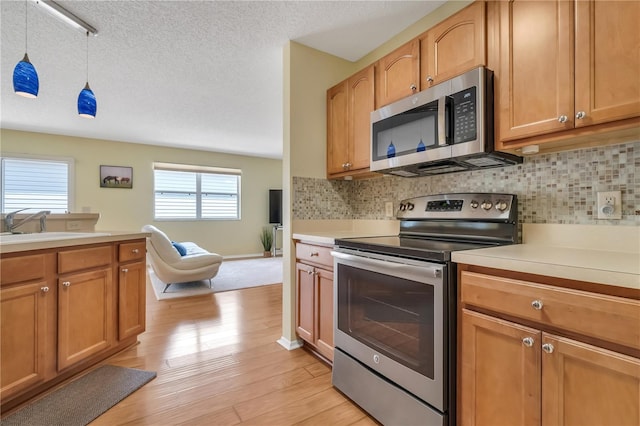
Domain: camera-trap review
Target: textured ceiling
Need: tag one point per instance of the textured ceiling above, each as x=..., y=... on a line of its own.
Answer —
x=195, y=74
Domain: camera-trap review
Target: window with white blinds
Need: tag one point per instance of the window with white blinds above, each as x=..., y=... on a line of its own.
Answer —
x=194, y=192
x=34, y=183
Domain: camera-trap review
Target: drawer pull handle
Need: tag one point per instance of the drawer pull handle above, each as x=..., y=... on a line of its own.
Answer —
x=125, y=270
x=528, y=341
x=537, y=304
x=548, y=348
x=44, y=289
x=66, y=283
x=314, y=253
x=135, y=251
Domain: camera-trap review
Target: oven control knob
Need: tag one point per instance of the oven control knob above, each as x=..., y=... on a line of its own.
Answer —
x=376, y=358
x=474, y=204
x=501, y=205
x=410, y=206
x=486, y=205
x=402, y=207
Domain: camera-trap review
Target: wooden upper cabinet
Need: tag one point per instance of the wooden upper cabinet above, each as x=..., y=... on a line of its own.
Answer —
x=563, y=66
x=455, y=45
x=534, y=83
x=361, y=105
x=349, y=107
x=398, y=74
x=607, y=61
x=337, y=128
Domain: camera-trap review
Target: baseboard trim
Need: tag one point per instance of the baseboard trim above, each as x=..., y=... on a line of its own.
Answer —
x=289, y=344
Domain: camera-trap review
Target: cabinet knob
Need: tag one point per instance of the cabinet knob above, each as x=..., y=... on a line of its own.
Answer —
x=135, y=251
x=429, y=79
x=344, y=166
x=563, y=118
x=537, y=304
x=125, y=270
x=44, y=289
x=580, y=115
x=310, y=272
x=528, y=341
x=348, y=165
x=548, y=348
x=314, y=253
x=413, y=88
x=66, y=283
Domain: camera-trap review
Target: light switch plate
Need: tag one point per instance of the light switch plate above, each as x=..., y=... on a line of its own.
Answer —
x=609, y=205
x=388, y=209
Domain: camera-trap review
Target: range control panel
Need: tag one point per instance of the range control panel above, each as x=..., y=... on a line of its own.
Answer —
x=471, y=206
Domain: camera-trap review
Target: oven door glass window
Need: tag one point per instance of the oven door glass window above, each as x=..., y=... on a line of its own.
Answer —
x=392, y=315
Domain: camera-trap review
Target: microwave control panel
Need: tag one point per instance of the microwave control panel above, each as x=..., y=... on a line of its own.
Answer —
x=464, y=115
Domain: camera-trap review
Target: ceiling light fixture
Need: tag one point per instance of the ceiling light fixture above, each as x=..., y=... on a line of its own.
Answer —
x=63, y=14
x=87, y=106
x=25, y=77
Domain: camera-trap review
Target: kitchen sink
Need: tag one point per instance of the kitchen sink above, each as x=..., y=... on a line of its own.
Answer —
x=9, y=238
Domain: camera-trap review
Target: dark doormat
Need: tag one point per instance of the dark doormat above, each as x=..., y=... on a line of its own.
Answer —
x=82, y=400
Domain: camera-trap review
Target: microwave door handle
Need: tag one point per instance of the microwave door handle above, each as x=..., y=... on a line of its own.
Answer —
x=442, y=111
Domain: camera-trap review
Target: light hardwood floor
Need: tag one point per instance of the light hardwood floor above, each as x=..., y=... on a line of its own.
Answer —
x=218, y=363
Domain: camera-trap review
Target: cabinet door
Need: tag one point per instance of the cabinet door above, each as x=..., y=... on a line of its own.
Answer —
x=455, y=45
x=587, y=385
x=132, y=284
x=534, y=82
x=607, y=61
x=85, y=319
x=398, y=74
x=361, y=105
x=499, y=380
x=23, y=328
x=324, y=309
x=305, y=306
x=337, y=129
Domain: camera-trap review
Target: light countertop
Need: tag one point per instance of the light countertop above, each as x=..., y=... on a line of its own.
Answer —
x=603, y=267
x=607, y=255
x=67, y=240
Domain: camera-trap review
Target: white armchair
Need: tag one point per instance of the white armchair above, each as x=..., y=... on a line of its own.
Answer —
x=170, y=266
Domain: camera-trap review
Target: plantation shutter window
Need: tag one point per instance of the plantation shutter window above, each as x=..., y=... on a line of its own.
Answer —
x=37, y=184
x=196, y=192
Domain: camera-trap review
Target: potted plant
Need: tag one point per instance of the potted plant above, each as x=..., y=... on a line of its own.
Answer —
x=266, y=238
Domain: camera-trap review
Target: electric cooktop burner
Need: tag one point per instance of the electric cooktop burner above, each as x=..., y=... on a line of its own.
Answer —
x=417, y=248
x=434, y=226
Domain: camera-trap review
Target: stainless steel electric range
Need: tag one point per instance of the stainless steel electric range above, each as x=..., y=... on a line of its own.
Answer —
x=395, y=298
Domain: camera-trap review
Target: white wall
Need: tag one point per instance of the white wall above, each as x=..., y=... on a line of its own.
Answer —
x=130, y=209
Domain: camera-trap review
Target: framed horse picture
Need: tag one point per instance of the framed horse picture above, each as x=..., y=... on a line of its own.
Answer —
x=116, y=177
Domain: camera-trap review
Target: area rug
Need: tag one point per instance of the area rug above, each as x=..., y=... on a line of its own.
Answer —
x=82, y=400
x=232, y=275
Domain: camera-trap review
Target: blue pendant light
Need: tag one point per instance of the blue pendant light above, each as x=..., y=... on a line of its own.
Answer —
x=87, y=106
x=25, y=77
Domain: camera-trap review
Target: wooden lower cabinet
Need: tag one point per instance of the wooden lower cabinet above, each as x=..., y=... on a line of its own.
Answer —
x=517, y=371
x=85, y=325
x=314, y=299
x=63, y=310
x=24, y=314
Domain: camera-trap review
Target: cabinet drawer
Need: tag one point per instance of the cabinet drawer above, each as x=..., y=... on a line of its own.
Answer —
x=132, y=251
x=84, y=258
x=609, y=318
x=315, y=254
x=23, y=268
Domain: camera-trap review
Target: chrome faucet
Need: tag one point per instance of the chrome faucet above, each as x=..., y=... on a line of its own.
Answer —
x=11, y=226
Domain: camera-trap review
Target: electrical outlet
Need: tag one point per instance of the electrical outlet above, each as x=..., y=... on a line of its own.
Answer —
x=388, y=209
x=609, y=205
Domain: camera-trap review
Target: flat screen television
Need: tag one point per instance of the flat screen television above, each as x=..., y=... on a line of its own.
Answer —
x=275, y=206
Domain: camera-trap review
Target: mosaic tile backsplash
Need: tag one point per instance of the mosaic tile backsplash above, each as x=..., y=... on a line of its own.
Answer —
x=551, y=188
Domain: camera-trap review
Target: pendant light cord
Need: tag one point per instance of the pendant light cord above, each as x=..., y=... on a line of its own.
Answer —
x=26, y=25
x=87, y=57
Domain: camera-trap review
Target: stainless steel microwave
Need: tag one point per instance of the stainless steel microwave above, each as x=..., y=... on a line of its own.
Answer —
x=444, y=129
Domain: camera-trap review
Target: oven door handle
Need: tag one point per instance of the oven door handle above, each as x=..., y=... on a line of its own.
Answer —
x=432, y=271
